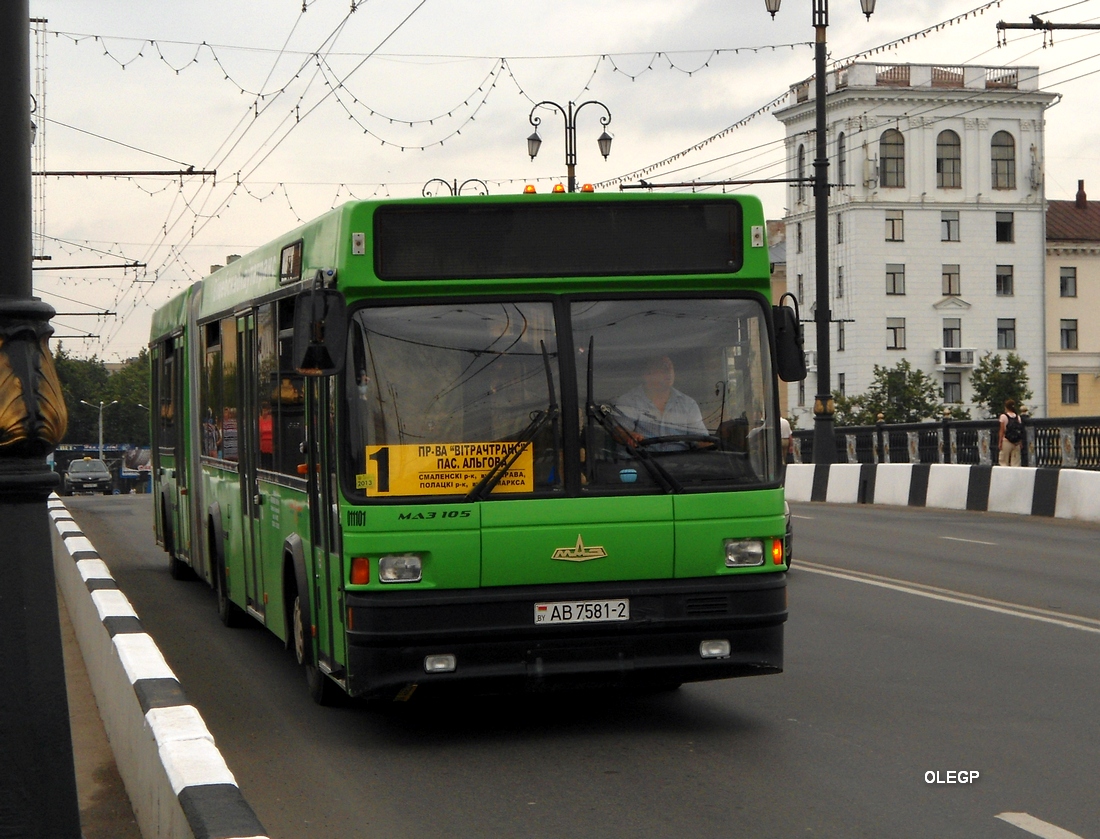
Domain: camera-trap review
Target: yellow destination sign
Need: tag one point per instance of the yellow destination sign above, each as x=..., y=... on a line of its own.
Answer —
x=442, y=469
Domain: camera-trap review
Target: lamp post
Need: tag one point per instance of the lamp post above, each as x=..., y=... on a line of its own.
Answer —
x=570, y=114
x=824, y=408
x=102, y=405
x=436, y=186
x=38, y=795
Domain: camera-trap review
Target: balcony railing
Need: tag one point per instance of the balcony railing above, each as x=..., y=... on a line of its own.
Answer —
x=949, y=358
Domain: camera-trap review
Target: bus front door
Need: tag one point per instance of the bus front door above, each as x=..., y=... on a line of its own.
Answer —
x=325, y=571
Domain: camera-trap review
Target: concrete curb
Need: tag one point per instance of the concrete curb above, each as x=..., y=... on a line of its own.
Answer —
x=1056, y=493
x=178, y=782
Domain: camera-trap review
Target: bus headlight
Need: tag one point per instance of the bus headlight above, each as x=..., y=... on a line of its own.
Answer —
x=399, y=568
x=744, y=553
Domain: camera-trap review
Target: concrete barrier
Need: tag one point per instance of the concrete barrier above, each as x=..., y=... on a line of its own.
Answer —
x=892, y=481
x=1078, y=495
x=1061, y=493
x=948, y=485
x=178, y=782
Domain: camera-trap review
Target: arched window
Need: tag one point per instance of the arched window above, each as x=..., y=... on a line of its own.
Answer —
x=1003, y=153
x=841, y=159
x=801, y=173
x=948, y=160
x=891, y=158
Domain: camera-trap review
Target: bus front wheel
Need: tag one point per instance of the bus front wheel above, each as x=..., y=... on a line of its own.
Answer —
x=322, y=689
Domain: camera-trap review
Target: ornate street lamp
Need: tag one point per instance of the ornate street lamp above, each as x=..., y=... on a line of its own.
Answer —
x=437, y=186
x=824, y=447
x=570, y=115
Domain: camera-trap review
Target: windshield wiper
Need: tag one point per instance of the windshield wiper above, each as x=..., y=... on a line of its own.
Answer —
x=538, y=420
x=603, y=414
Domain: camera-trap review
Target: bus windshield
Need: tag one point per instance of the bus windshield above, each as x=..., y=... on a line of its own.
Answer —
x=440, y=394
x=464, y=398
x=674, y=394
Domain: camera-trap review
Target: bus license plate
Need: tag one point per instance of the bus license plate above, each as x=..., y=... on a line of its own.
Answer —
x=582, y=611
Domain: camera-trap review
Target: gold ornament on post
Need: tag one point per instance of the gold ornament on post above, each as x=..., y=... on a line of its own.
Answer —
x=33, y=417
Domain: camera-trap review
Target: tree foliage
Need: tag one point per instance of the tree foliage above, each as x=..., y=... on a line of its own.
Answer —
x=900, y=394
x=996, y=379
x=89, y=380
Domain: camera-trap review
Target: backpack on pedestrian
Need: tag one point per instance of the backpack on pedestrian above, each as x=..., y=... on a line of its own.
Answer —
x=1014, y=428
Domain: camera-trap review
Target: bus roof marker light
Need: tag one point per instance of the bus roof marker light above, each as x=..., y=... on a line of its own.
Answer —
x=587, y=188
x=529, y=189
x=558, y=188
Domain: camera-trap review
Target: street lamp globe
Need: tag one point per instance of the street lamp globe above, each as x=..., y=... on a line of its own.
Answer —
x=533, y=143
x=604, y=142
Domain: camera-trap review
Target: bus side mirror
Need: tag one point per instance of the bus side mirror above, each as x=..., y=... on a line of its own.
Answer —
x=790, y=359
x=320, y=332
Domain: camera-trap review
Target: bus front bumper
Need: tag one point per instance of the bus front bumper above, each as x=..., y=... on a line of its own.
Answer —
x=496, y=644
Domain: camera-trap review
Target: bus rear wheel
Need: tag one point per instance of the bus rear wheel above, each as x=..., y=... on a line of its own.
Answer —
x=322, y=689
x=177, y=568
x=230, y=614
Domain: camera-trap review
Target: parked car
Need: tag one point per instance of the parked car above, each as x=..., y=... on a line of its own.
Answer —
x=87, y=475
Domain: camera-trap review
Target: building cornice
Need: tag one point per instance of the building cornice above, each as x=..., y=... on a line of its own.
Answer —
x=1074, y=249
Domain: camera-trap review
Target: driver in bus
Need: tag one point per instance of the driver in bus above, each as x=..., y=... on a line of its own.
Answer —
x=656, y=409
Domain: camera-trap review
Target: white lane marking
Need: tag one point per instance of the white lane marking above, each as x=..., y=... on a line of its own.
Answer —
x=963, y=599
x=804, y=518
x=1035, y=826
x=970, y=541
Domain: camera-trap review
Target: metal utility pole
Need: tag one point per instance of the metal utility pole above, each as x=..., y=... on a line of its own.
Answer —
x=1038, y=23
x=37, y=780
x=824, y=407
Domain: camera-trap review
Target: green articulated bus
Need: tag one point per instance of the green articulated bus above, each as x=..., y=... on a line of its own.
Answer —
x=494, y=442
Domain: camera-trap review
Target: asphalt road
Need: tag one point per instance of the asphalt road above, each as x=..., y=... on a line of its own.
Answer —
x=920, y=643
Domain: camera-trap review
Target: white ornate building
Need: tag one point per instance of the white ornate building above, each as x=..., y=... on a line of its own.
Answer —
x=936, y=223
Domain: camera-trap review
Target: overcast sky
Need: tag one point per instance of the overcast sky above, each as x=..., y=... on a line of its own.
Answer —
x=301, y=111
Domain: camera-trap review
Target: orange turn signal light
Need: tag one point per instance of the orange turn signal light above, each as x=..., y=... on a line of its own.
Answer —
x=777, y=551
x=360, y=571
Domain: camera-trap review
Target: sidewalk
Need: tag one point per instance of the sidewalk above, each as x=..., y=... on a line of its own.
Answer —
x=105, y=811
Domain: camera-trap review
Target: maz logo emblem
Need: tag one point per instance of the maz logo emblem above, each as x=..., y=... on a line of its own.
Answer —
x=579, y=553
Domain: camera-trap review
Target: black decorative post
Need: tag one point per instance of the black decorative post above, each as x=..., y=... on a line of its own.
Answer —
x=38, y=787
x=570, y=115
x=824, y=407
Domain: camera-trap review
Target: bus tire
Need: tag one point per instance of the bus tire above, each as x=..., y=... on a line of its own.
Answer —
x=322, y=689
x=177, y=568
x=230, y=614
